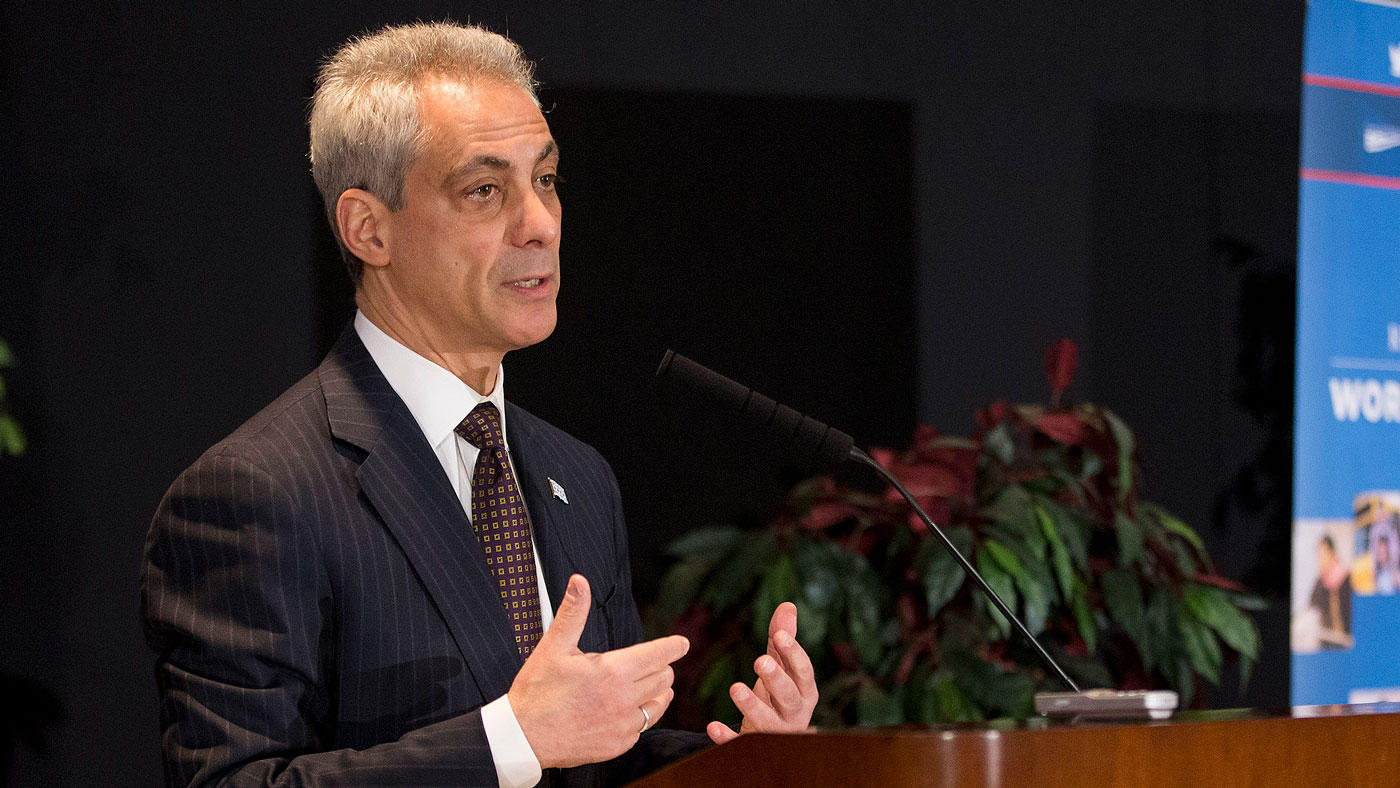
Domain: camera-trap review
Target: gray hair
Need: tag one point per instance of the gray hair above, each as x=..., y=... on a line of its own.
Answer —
x=365, y=130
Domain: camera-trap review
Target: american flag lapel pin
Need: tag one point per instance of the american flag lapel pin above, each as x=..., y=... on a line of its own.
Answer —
x=557, y=490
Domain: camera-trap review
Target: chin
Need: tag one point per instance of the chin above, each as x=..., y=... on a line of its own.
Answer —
x=534, y=333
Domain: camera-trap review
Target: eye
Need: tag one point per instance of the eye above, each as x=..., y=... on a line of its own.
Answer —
x=550, y=180
x=484, y=191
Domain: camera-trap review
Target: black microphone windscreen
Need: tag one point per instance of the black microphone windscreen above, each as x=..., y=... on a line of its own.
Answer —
x=830, y=446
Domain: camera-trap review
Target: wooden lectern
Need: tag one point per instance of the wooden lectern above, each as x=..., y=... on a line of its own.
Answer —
x=1351, y=746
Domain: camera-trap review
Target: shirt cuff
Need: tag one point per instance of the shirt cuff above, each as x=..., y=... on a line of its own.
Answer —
x=516, y=764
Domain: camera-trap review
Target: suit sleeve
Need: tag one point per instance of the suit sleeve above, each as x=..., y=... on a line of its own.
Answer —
x=237, y=605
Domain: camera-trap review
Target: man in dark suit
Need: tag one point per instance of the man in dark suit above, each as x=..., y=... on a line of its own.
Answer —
x=389, y=577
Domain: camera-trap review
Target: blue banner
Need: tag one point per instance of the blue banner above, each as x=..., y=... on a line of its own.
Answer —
x=1345, y=628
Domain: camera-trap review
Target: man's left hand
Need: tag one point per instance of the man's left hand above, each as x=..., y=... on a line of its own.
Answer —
x=782, y=699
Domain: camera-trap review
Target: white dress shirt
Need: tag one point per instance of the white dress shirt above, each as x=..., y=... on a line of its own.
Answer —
x=439, y=400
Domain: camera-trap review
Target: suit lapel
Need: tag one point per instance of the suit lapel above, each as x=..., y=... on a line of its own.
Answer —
x=405, y=484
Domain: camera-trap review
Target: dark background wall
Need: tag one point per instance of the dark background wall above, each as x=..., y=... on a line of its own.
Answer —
x=1122, y=174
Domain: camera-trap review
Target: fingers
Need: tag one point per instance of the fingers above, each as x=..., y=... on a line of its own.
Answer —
x=651, y=656
x=783, y=694
x=653, y=710
x=797, y=664
x=655, y=684
x=784, y=620
x=720, y=733
x=564, y=633
x=757, y=714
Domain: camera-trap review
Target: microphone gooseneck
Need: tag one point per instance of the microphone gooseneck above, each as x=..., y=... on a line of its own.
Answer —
x=832, y=447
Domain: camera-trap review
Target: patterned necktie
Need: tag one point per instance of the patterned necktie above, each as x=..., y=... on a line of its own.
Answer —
x=502, y=526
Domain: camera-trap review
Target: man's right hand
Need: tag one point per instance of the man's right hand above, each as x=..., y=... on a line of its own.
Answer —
x=576, y=708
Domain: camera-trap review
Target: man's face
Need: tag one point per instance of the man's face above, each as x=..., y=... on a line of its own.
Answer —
x=474, y=252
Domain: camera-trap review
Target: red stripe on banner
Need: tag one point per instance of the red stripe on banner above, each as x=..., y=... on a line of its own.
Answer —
x=1354, y=85
x=1353, y=178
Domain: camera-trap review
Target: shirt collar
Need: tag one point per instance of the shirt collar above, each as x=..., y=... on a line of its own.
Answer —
x=438, y=399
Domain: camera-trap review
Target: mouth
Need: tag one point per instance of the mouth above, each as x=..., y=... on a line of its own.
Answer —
x=532, y=287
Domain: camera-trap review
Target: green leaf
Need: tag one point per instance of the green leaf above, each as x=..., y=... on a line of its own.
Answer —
x=1185, y=532
x=1011, y=505
x=1185, y=681
x=1089, y=672
x=875, y=707
x=1123, y=598
x=1129, y=539
x=816, y=566
x=1159, y=642
x=11, y=436
x=1180, y=528
x=1127, y=444
x=7, y=357
x=734, y=577
x=710, y=543
x=1000, y=582
x=714, y=688
x=2, y=388
x=945, y=702
x=1073, y=532
x=1084, y=618
x=812, y=624
x=1012, y=695
x=1200, y=645
x=939, y=572
x=999, y=444
x=779, y=585
x=1092, y=465
x=717, y=678
x=803, y=493
x=901, y=539
x=1037, y=610
x=1249, y=602
x=1059, y=554
x=973, y=675
x=863, y=621
x=1004, y=557
x=1012, y=513
x=1213, y=606
x=679, y=588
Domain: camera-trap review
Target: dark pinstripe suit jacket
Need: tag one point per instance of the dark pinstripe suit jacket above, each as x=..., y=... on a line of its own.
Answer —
x=322, y=612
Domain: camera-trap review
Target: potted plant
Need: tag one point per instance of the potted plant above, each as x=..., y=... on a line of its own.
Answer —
x=1044, y=499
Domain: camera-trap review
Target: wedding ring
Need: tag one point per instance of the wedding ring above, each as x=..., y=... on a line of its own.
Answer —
x=646, y=719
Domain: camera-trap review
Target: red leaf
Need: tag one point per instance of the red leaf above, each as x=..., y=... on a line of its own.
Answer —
x=885, y=457
x=1060, y=360
x=928, y=479
x=924, y=434
x=828, y=513
x=938, y=511
x=992, y=415
x=1063, y=427
x=1220, y=582
x=846, y=656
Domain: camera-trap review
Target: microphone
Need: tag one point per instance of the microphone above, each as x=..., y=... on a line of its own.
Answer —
x=832, y=447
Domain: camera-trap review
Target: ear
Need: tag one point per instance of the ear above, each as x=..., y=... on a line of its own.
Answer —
x=364, y=225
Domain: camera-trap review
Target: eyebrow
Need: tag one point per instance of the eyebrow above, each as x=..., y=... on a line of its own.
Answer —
x=489, y=162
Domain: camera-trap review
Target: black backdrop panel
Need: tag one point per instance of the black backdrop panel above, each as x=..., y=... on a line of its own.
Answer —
x=771, y=238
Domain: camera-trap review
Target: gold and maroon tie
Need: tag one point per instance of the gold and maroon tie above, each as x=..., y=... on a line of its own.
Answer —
x=502, y=526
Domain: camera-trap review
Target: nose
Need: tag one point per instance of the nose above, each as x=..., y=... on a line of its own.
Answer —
x=537, y=220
